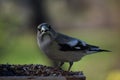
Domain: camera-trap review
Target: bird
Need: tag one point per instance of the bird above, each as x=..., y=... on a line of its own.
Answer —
x=62, y=48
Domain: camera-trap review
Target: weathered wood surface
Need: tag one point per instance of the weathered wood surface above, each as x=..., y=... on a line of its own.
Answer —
x=41, y=78
x=37, y=72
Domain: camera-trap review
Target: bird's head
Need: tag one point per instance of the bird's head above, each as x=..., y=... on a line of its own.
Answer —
x=45, y=28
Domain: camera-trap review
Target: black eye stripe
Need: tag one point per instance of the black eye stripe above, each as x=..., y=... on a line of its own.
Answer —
x=39, y=29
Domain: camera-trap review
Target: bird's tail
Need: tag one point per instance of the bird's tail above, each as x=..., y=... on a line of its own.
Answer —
x=97, y=49
x=102, y=50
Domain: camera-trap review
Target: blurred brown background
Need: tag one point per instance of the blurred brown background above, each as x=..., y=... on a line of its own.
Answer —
x=94, y=21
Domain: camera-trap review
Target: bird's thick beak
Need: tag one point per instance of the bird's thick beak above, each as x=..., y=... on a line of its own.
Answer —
x=44, y=29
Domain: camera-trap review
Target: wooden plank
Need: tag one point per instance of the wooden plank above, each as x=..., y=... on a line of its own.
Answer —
x=37, y=72
x=32, y=78
x=41, y=78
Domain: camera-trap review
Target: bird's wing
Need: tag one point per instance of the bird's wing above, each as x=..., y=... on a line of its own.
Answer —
x=67, y=43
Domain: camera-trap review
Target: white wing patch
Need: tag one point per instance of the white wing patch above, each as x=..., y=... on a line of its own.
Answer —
x=77, y=48
x=73, y=42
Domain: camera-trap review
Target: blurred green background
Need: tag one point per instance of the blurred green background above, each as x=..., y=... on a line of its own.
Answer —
x=95, y=21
